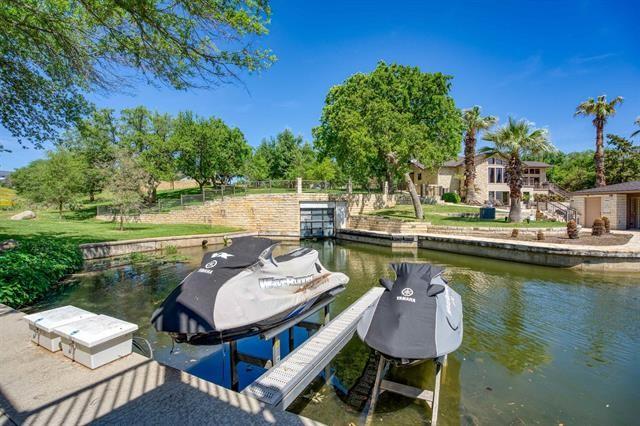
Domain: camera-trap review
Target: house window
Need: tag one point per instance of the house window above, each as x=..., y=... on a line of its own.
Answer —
x=419, y=176
x=496, y=175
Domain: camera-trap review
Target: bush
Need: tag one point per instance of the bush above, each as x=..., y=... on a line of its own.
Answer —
x=451, y=197
x=539, y=216
x=515, y=233
x=572, y=230
x=607, y=224
x=540, y=235
x=597, y=228
x=28, y=271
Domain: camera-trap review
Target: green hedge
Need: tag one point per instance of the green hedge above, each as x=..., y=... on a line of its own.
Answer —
x=451, y=197
x=29, y=271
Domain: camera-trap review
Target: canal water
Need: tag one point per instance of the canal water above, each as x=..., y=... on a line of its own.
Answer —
x=541, y=345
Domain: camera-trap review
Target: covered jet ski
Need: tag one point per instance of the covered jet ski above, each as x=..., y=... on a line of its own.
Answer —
x=243, y=290
x=418, y=317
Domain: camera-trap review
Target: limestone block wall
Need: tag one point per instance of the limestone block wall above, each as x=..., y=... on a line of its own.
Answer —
x=271, y=214
x=381, y=224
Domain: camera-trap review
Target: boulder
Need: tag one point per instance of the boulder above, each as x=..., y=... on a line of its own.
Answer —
x=8, y=245
x=27, y=214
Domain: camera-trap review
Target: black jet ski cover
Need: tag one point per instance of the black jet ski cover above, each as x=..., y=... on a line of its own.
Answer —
x=418, y=317
x=189, y=308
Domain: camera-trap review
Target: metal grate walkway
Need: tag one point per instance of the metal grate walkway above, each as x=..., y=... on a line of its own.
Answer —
x=280, y=385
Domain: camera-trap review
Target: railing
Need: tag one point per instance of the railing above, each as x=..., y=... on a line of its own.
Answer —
x=566, y=212
x=240, y=188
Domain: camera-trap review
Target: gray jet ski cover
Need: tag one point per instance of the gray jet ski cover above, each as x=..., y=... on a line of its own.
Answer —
x=241, y=285
x=418, y=316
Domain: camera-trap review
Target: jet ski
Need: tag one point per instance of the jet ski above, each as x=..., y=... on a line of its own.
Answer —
x=418, y=317
x=243, y=290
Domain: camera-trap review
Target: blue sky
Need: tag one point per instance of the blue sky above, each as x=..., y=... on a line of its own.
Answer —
x=531, y=59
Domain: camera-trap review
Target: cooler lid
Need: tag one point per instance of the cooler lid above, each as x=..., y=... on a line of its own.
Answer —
x=92, y=331
x=48, y=320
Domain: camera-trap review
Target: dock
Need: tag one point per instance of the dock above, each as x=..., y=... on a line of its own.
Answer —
x=281, y=385
x=43, y=388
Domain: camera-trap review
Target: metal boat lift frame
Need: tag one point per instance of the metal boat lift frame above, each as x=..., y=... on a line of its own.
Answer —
x=381, y=385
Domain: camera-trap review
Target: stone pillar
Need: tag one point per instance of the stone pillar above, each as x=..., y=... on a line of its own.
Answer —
x=349, y=187
x=385, y=188
x=299, y=185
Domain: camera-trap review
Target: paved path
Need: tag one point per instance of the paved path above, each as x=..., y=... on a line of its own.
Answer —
x=40, y=387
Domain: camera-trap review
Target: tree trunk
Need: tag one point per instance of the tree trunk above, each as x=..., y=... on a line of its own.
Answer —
x=92, y=196
x=417, y=206
x=60, y=209
x=599, y=155
x=515, y=188
x=121, y=219
x=470, y=168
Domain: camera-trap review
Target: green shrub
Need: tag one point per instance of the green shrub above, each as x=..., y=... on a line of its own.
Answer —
x=170, y=250
x=29, y=271
x=451, y=197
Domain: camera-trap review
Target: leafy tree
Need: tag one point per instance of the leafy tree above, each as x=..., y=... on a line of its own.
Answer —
x=601, y=110
x=622, y=160
x=257, y=167
x=474, y=122
x=634, y=134
x=514, y=141
x=147, y=136
x=324, y=170
x=572, y=171
x=208, y=150
x=374, y=124
x=126, y=178
x=94, y=140
x=231, y=155
x=52, y=52
x=303, y=161
x=57, y=180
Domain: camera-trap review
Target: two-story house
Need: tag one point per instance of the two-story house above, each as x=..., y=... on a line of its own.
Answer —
x=491, y=178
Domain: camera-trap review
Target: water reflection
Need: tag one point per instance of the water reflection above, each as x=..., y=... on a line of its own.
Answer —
x=541, y=345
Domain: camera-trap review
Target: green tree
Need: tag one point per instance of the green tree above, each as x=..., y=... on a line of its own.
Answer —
x=208, y=150
x=374, y=124
x=622, y=160
x=473, y=122
x=147, y=136
x=601, y=110
x=573, y=171
x=514, y=141
x=126, y=178
x=94, y=140
x=257, y=166
x=56, y=181
x=52, y=52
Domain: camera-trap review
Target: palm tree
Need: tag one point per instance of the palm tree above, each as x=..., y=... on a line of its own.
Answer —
x=474, y=122
x=637, y=132
x=515, y=140
x=601, y=110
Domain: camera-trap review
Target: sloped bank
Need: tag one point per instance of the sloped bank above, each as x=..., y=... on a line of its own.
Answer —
x=625, y=258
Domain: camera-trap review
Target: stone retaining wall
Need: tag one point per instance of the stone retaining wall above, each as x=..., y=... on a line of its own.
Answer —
x=383, y=224
x=274, y=214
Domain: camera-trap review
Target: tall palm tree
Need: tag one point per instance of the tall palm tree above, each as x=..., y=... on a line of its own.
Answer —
x=637, y=132
x=515, y=140
x=601, y=110
x=474, y=122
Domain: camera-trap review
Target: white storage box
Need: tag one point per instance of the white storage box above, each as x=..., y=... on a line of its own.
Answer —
x=42, y=324
x=97, y=340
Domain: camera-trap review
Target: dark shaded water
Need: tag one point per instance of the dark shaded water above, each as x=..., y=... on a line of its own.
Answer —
x=541, y=345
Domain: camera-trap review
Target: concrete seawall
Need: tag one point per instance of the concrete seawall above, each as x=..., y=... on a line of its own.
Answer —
x=624, y=258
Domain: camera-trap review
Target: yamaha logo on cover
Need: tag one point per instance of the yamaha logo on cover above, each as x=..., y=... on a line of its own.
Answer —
x=211, y=264
x=406, y=295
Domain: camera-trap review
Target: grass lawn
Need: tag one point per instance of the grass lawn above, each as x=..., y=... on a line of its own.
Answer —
x=437, y=215
x=80, y=227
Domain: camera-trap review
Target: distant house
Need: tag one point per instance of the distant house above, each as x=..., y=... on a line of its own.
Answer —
x=619, y=202
x=4, y=175
x=491, y=180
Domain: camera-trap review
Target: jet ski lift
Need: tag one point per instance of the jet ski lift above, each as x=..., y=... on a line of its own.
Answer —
x=381, y=385
x=417, y=318
x=273, y=335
